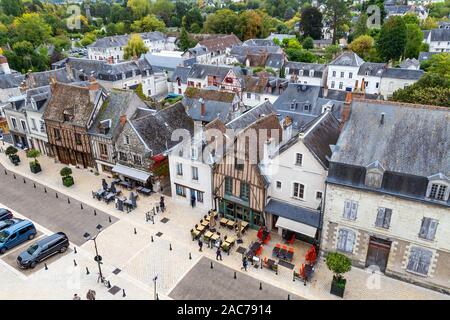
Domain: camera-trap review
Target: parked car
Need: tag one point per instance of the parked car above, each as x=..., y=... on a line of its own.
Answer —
x=43, y=249
x=8, y=222
x=16, y=234
x=5, y=214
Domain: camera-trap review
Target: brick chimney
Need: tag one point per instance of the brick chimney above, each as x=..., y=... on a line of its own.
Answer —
x=347, y=108
x=202, y=107
x=93, y=84
x=123, y=119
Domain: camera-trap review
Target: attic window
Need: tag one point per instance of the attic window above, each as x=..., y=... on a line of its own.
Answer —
x=104, y=126
x=438, y=191
x=229, y=80
x=68, y=115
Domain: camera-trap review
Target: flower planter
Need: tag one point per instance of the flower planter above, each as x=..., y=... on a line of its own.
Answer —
x=35, y=167
x=68, y=181
x=15, y=160
x=338, y=287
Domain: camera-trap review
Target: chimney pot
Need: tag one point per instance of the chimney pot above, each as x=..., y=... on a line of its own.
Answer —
x=123, y=119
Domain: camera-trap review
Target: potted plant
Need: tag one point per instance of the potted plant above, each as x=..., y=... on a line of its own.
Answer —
x=67, y=179
x=11, y=152
x=338, y=264
x=35, y=166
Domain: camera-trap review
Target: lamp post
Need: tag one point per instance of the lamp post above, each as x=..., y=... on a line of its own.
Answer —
x=97, y=258
x=155, y=295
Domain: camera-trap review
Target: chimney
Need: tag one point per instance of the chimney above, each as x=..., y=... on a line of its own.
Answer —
x=4, y=66
x=382, y=118
x=287, y=128
x=93, y=84
x=202, y=107
x=123, y=119
x=346, y=111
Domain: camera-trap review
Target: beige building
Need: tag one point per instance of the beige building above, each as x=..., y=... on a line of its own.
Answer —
x=387, y=197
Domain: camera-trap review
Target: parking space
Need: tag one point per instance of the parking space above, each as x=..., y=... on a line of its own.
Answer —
x=48, y=208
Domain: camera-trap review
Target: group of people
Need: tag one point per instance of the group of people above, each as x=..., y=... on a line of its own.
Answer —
x=218, y=251
x=90, y=295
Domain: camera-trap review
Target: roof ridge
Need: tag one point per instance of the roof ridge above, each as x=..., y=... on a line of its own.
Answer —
x=404, y=104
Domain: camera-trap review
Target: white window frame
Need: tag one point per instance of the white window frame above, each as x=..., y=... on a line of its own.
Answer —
x=299, y=188
x=194, y=170
x=423, y=255
x=179, y=169
x=350, y=211
x=428, y=228
x=296, y=159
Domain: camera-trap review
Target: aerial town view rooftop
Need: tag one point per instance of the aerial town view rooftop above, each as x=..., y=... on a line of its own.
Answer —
x=214, y=150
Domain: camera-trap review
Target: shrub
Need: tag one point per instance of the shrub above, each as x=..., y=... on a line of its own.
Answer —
x=33, y=153
x=68, y=181
x=338, y=264
x=10, y=151
x=65, y=172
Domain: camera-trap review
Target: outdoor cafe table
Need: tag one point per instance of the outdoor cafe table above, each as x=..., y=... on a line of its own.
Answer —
x=223, y=221
x=231, y=223
x=215, y=237
x=200, y=228
x=252, y=250
x=208, y=235
x=110, y=196
x=204, y=223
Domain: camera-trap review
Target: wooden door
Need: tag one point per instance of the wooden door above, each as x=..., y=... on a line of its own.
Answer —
x=378, y=253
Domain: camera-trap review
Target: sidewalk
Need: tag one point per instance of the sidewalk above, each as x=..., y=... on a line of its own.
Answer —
x=140, y=259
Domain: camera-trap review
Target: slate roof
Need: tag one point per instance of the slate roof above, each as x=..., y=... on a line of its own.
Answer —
x=165, y=62
x=295, y=67
x=200, y=71
x=426, y=55
x=275, y=60
x=220, y=43
x=122, y=40
x=349, y=59
x=40, y=79
x=440, y=35
x=407, y=74
x=197, y=51
x=280, y=36
x=182, y=73
x=265, y=84
x=40, y=96
x=156, y=129
x=8, y=81
x=372, y=69
x=244, y=120
x=103, y=70
x=76, y=100
x=259, y=43
x=118, y=103
x=243, y=51
x=213, y=110
x=410, y=63
x=206, y=94
x=413, y=140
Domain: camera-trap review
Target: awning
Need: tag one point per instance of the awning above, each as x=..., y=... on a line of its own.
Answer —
x=134, y=174
x=296, y=227
x=292, y=212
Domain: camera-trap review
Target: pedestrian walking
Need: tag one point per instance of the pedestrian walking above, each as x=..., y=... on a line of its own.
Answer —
x=200, y=245
x=219, y=254
x=90, y=295
x=76, y=297
x=244, y=263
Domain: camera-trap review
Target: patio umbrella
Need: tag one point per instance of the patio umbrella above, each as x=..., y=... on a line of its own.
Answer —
x=239, y=225
x=212, y=222
x=104, y=184
x=113, y=188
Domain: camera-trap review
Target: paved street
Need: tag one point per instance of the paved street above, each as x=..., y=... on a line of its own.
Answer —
x=44, y=208
x=204, y=283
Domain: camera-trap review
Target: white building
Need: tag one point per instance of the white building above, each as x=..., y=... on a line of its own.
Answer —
x=438, y=40
x=297, y=171
x=343, y=71
x=313, y=74
x=387, y=196
x=262, y=88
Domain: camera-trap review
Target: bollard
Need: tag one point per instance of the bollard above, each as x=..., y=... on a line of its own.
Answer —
x=81, y=206
x=68, y=200
x=135, y=232
x=260, y=286
x=56, y=195
x=157, y=297
x=170, y=246
x=45, y=190
x=74, y=263
x=123, y=293
x=34, y=185
x=235, y=275
x=74, y=249
x=289, y=296
x=95, y=212
x=109, y=218
x=152, y=238
x=87, y=270
x=261, y=263
x=6, y=172
x=45, y=266
x=14, y=175
x=211, y=265
x=190, y=256
x=24, y=180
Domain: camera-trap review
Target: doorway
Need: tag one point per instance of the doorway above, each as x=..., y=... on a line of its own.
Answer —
x=378, y=253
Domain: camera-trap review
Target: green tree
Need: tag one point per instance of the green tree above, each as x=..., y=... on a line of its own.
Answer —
x=337, y=14
x=338, y=264
x=33, y=153
x=139, y=8
x=32, y=27
x=148, y=24
x=163, y=9
x=311, y=22
x=414, y=40
x=223, y=21
x=135, y=47
x=12, y=7
x=185, y=42
x=249, y=25
x=392, y=41
x=360, y=26
x=308, y=43
x=411, y=18
x=194, y=15
x=362, y=45
x=440, y=64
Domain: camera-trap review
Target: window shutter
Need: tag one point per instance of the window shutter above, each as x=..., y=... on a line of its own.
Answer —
x=354, y=210
x=432, y=229
x=424, y=261
x=347, y=209
x=380, y=217
x=424, y=227
x=342, y=239
x=350, y=241
x=387, y=218
x=413, y=262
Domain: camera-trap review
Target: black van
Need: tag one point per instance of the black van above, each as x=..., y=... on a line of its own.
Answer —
x=43, y=249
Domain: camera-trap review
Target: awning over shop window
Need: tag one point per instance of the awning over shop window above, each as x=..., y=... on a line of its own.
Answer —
x=131, y=173
x=296, y=227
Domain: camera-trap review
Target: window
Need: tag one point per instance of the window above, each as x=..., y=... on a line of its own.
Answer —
x=334, y=73
x=126, y=140
x=200, y=196
x=300, y=73
x=179, y=169
x=332, y=84
x=383, y=218
x=14, y=122
x=342, y=74
x=103, y=149
x=377, y=85
x=42, y=124
x=341, y=85
x=319, y=195
x=228, y=185
x=33, y=124
x=245, y=191
x=311, y=73
x=299, y=190
x=350, y=75
x=238, y=163
x=194, y=153
x=346, y=240
x=257, y=97
x=194, y=173
x=180, y=190
x=374, y=179
x=137, y=159
x=122, y=156
x=428, y=228
x=350, y=209
x=249, y=95
x=78, y=139
x=438, y=192
x=24, y=125
x=57, y=134
x=419, y=260
x=298, y=159
x=278, y=184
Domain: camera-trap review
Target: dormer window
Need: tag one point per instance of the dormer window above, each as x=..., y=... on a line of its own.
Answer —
x=311, y=73
x=374, y=175
x=438, y=187
x=300, y=73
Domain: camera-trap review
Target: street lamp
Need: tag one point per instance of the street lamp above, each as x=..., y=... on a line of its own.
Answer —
x=155, y=295
x=97, y=258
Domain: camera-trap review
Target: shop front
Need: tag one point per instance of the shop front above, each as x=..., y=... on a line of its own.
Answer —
x=236, y=209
